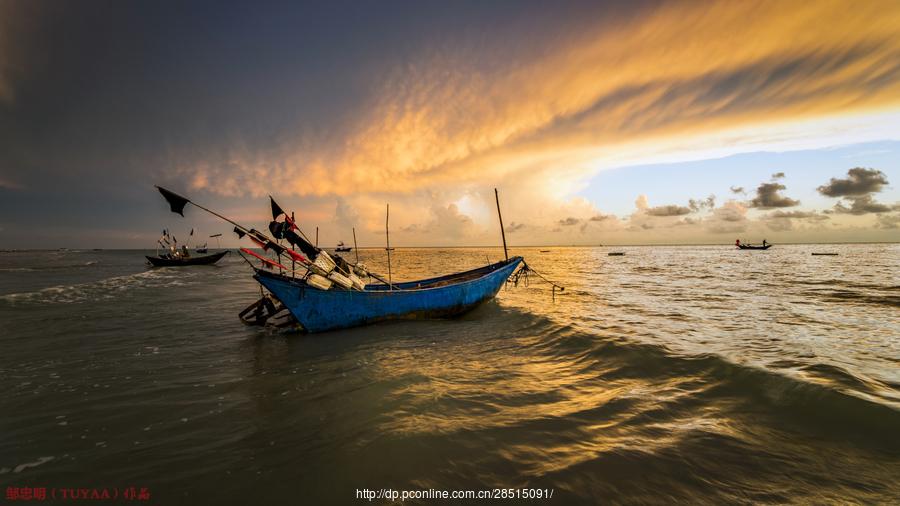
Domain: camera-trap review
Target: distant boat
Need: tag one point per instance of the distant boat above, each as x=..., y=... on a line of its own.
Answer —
x=825, y=254
x=545, y=251
x=320, y=310
x=342, y=248
x=616, y=253
x=183, y=261
x=752, y=246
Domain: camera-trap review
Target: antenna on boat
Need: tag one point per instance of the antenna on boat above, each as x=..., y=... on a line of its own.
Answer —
x=355, y=247
x=387, y=235
x=502, y=232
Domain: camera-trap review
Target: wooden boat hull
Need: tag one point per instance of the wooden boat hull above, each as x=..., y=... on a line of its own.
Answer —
x=446, y=296
x=743, y=246
x=181, y=262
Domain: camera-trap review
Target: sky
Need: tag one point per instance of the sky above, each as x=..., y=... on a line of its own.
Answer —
x=640, y=122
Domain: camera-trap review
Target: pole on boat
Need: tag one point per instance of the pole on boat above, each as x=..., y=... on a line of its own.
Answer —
x=387, y=235
x=317, y=237
x=355, y=247
x=502, y=232
x=293, y=262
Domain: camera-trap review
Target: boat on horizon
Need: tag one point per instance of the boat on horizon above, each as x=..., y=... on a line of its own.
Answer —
x=741, y=245
x=342, y=248
x=173, y=256
x=159, y=261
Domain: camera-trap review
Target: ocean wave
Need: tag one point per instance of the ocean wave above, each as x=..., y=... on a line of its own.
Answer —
x=105, y=289
x=821, y=397
x=55, y=267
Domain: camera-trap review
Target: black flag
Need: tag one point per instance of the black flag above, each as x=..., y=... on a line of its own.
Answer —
x=279, y=250
x=282, y=230
x=240, y=233
x=176, y=201
x=276, y=209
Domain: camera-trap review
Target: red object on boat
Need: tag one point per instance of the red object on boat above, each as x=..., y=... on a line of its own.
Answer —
x=264, y=259
x=296, y=256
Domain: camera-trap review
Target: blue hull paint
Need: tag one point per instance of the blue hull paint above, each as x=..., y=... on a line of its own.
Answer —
x=445, y=296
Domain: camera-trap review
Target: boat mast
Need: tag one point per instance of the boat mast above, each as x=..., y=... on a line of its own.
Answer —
x=387, y=235
x=502, y=232
x=355, y=248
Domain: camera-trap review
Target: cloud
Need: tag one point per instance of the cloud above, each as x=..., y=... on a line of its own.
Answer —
x=784, y=220
x=738, y=190
x=812, y=215
x=888, y=221
x=731, y=217
x=700, y=204
x=601, y=217
x=569, y=221
x=767, y=197
x=9, y=185
x=859, y=181
x=446, y=113
x=669, y=210
x=863, y=205
x=777, y=175
x=514, y=227
x=443, y=110
x=661, y=211
x=446, y=222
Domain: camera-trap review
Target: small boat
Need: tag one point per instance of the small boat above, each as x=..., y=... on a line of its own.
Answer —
x=824, y=254
x=751, y=246
x=319, y=310
x=616, y=253
x=157, y=261
x=545, y=251
x=342, y=248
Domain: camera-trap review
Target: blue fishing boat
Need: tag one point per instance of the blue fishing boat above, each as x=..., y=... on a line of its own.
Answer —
x=319, y=310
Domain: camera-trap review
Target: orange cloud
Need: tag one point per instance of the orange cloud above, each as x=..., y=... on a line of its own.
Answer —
x=679, y=70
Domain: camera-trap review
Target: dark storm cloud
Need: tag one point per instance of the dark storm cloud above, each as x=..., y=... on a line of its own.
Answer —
x=99, y=100
x=669, y=210
x=568, y=222
x=859, y=181
x=767, y=197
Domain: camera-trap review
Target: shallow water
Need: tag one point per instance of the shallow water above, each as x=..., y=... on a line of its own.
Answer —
x=690, y=374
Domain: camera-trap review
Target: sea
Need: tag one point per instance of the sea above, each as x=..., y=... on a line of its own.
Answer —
x=669, y=374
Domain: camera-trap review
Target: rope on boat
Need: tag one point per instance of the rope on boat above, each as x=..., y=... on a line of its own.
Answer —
x=524, y=274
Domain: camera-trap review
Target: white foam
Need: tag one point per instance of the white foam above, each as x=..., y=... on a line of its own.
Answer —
x=42, y=460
